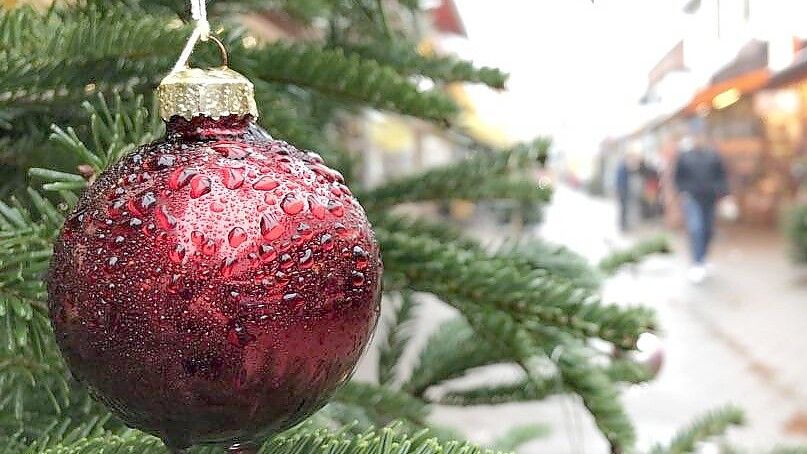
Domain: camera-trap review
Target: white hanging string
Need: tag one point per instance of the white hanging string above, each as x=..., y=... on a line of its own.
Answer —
x=201, y=32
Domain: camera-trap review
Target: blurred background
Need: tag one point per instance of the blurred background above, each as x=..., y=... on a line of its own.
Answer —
x=617, y=81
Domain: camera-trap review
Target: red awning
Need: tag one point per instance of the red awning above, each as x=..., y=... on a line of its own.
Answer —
x=447, y=19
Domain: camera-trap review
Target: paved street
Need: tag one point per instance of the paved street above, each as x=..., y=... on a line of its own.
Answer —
x=739, y=337
x=736, y=338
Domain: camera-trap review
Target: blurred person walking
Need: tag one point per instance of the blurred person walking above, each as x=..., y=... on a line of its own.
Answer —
x=700, y=178
x=627, y=188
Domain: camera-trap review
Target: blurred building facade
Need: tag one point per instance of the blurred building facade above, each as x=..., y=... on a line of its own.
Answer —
x=739, y=65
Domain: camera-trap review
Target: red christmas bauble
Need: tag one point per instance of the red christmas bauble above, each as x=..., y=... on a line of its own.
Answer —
x=216, y=285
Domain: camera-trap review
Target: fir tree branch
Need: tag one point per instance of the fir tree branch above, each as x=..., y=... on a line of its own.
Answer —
x=789, y=450
x=304, y=439
x=517, y=436
x=398, y=335
x=450, y=352
x=474, y=178
x=114, y=131
x=33, y=378
x=557, y=260
x=616, y=260
x=382, y=404
x=43, y=419
x=25, y=247
x=599, y=395
x=53, y=57
x=102, y=50
x=404, y=57
x=710, y=425
x=130, y=441
x=525, y=347
x=293, y=118
x=344, y=77
x=383, y=441
x=534, y=389
x=460, y=275
x=795, y=228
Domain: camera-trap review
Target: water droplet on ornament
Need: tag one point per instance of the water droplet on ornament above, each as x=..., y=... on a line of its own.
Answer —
x=307, y=259
x=327, y=173
x=112, y=262
x=209, y=247
x=290, y=297
x=238, y=335
x=166, y=160
x=177, y=253
x=336, y=208
x=197, y=237
x=233, y=178
x=228, y=266
x=164, y=219
x=291, y=205
x=286, y=261
x=305, y=231
x=119, y=240
x=317, y=209
x=135, y=222
x=200, y=185
x=267, y=253
x=133, y=208
x=314, y=157
x=216, y=207
x=362, y=257
x=270, y=229
x=265, y=184
x=113, y=210
x=232, y=150
x=340, y=229
x=174, y=284
x=357, y=278
x=326, y=241
x=148, y=200
x=148, y=229
x=236, y=236
x=180, y=178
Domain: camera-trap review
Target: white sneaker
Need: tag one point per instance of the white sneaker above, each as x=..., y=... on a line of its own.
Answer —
x=697, y=274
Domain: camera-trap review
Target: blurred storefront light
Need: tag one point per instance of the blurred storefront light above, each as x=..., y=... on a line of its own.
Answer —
x=726, y=98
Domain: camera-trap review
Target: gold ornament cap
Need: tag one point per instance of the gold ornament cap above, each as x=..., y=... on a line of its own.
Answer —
x=214, y=93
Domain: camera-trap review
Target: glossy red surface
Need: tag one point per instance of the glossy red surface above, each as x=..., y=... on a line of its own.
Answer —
x=216, y=285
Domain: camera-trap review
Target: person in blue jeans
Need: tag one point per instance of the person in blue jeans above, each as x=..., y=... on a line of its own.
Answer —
x=623, y=193
x=700, y=178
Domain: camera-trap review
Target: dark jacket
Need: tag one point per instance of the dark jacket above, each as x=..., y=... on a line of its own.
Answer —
x=623, y=180
x=701, y=174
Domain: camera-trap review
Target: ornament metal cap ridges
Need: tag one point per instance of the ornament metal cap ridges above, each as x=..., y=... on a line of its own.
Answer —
x=214, y=92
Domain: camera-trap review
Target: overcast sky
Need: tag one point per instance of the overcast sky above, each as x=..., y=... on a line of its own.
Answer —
x=576, y=68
